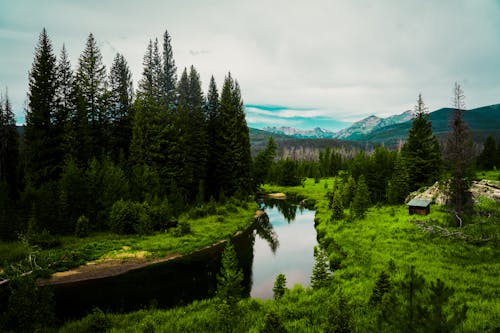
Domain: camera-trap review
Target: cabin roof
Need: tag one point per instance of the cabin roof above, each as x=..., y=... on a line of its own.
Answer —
x=419, y=203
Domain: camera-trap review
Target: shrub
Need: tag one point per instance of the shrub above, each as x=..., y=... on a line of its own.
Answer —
x=45, y=240
x=183, y=228
x=127, y=217
x=82, y=228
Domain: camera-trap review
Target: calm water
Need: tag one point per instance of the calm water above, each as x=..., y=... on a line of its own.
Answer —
x=294, y=256
x=284, y=244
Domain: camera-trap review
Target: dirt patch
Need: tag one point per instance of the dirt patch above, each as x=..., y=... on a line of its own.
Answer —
x=275, y=196
x=103, y=268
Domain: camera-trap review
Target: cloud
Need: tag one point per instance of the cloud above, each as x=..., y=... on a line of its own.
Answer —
x=336, y=59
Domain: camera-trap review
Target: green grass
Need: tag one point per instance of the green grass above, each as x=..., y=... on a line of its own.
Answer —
x=363, y=248
x=75, y=251
x=490, y=175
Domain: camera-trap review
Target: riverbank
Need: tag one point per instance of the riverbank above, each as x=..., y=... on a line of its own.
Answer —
x=106, y=254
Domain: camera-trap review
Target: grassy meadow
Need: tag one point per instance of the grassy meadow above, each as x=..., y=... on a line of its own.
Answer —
x=197, y=229
x=387, y=239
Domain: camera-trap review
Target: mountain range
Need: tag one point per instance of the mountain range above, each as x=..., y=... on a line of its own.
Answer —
x=482, y=121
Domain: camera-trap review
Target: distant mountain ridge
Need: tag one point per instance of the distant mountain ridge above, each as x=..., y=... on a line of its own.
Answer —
x=391, y=131
x=354, y=132
x=369, y=124
x=298, y=133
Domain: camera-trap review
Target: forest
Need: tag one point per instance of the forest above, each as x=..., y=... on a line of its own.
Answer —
x=169, y=168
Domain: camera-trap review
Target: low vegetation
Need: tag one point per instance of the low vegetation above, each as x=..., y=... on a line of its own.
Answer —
x=388, y=274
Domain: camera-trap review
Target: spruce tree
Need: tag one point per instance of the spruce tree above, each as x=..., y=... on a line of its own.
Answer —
x=230, y=277
x=459, y=152
x=421, y=151
x=169, y=72
x=397, y=188
x=213, y=135
x=486, y=160
x=361, y=200
x=233, y=145
x=92, y=87
x=337, y=206
x=65, y=109
x=9, y=147
x=150, y=86
x=121, y=94
x=279, y=286
x=263, y=162
x=39, y=151
x=321, y=276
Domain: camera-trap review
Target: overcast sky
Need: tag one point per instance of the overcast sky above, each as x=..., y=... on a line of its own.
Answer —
x=299, y=63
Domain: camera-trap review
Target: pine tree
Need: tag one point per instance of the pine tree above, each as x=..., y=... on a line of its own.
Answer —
x=233, y=145
x=421, y=151
x=279, y=286
x=213, y=137
x=486, y=160
x=397, y=188
x=64, y=110
x=321, y=271
x=92, y=87
x=361, y=200
x=40, y=114
x=459, y=157
x=9, y=147
x=263, y=162
x=169, y=72
x=230, y=278
x=150, y=86
x=337, y=206
x=121, y=94
x=382, y=287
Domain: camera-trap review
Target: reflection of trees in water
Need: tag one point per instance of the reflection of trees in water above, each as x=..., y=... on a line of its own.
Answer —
x=288, y=210
x=265, y=230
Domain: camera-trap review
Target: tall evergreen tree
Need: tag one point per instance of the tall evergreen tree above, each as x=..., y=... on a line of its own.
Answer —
x=234, y=144
x=9, y=147
x=458, y=153
x=213, y=136
x=361, y=200
x=192, y=139
x=150, y=86
x=397, y=188
x=230, y=277
x=486, y=160
x=421, y=152
x=263, y=162
x=92, y=83
x=40, y=113
x=65, y=108
x=121, y=94
x=169, y=72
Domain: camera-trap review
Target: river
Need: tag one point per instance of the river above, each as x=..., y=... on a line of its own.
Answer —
x=284, y=244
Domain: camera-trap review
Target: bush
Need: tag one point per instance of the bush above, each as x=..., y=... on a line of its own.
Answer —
x=183, y=228
x=127, y=217
x=45, y=240
x=82, y=228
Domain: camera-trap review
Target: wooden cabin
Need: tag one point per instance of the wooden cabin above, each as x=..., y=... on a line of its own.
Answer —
x=418, y=206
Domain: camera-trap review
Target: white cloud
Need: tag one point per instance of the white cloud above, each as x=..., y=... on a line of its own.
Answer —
x=342, y=58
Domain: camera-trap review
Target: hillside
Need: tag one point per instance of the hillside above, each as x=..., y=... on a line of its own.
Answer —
x=360, y=129
x=482, y=121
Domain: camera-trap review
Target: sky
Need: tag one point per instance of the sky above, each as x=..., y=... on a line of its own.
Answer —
x=305, y=64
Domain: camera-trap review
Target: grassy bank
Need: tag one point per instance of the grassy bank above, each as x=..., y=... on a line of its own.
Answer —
x=197, y=229
x=387, y=239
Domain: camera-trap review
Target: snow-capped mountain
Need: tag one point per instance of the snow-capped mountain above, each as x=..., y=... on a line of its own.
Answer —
x=369, y=124
x=298, y=133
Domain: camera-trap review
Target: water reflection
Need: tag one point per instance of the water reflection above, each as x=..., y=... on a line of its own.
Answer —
x=265, y=230
x=285, y=207
x=295, y=255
